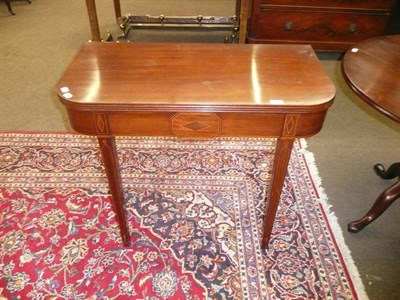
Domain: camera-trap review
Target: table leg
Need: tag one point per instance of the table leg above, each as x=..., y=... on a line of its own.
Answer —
x=381, y=204
x=243, y=15
x=392, y=172
x=384, y=200
x=281, y=161
x=94, y=22
x=117, y=9
x=9, y=7
x=110, y=159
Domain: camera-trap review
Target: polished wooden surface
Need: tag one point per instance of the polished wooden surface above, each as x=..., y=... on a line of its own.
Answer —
x=372, y=69
x=196, y=91
x=183, y=75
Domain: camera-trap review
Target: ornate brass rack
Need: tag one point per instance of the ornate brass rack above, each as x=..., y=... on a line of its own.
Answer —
x=129, y=22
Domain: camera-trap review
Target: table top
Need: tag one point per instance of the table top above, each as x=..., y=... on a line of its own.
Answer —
x=164, y=76
x=372, y=70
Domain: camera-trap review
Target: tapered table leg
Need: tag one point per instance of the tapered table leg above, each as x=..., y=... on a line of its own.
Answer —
x=281, y=161
x=110, y=159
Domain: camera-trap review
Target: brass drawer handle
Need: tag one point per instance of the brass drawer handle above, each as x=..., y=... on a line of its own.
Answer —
x=289, y=25
x=352, y=27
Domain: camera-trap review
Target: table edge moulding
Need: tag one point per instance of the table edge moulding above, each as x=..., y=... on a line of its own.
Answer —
x=382, y=55
x=196, y=91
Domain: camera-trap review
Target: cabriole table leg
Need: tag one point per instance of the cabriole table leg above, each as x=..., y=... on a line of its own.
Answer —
x=381, y=204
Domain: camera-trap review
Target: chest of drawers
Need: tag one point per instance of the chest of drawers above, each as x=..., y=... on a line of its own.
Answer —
x=332, y=25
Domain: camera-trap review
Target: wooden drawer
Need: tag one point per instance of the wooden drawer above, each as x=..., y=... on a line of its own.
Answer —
x=355, y=4
x=314, y=26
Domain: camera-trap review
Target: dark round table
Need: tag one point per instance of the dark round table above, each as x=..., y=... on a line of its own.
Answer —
x=372, y=70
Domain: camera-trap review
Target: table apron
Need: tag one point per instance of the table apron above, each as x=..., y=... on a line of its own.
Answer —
x=196, y=125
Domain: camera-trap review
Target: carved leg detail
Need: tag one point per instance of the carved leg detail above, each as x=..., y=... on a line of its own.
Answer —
x=392, y=172
x=281, y=161
x=381, y=204
x=110, y=159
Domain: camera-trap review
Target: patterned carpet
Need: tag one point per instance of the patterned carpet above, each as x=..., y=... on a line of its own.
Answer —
x=195, y=213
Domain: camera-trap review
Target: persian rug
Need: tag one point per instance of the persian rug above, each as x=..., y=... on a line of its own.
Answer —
x=195, y=210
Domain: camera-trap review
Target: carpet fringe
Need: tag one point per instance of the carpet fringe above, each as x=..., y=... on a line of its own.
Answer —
x=333, y=221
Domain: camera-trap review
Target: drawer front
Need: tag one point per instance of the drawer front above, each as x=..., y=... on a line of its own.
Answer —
x=357, y=4
x=309, y=27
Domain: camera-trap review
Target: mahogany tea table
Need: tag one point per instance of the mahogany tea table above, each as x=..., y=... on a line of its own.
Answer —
x=372, y=70
x=196, y=91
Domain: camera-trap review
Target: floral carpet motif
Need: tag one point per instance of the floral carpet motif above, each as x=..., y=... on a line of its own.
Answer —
x=195, y=212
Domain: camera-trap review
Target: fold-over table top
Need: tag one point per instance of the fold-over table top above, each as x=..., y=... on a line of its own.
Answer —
x=196, y=75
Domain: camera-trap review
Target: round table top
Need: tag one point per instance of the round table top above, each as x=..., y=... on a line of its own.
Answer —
x=372, y=70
